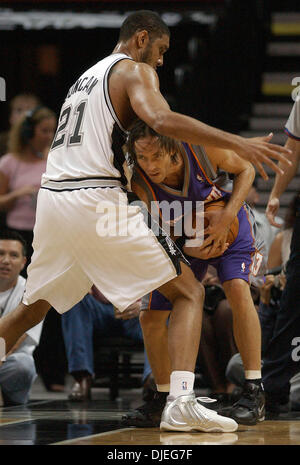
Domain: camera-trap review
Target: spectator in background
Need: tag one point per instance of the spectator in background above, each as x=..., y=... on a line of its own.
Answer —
x=18, y=371
x=21, y=170
x=94, y=315
x=18, y=106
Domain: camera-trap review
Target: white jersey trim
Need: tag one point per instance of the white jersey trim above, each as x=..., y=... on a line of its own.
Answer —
x=68, y=184
x=106, y=92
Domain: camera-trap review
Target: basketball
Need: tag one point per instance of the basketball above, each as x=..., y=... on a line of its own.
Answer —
x=216, y=205
x=234, y=227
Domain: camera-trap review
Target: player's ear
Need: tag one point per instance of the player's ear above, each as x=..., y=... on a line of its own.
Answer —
x=142, y=39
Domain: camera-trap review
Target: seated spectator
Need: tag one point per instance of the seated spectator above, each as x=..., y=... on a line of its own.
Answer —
x=18, y=371
x=21, y=170
x=18, y=106
x=94, y=315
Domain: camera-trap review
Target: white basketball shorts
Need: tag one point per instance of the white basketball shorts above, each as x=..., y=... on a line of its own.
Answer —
x=79, y=240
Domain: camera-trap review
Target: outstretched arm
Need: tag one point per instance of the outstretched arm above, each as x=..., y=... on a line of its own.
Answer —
x=282, y=181
x=142, y=86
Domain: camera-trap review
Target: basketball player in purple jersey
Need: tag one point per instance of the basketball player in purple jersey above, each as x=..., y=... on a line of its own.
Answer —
x=166, y=171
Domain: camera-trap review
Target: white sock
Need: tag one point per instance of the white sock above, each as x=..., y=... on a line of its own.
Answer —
x=253, y=374
x=182, y=383
x=163, y=387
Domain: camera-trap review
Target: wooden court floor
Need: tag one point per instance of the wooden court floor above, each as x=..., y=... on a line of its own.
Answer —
x=59, y=422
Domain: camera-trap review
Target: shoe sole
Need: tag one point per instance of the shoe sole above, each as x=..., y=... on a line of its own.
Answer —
x=248, y=423
x=166, y=427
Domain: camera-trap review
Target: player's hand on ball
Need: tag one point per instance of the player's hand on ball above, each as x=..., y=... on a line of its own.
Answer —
x=216, y=233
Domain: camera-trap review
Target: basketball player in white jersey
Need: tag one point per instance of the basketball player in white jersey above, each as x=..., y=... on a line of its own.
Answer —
x=85, y=176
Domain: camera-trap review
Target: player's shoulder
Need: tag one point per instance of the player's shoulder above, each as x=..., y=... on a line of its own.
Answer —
x=130, y=68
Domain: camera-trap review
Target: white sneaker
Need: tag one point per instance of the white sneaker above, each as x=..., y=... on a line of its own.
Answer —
x=186, y=414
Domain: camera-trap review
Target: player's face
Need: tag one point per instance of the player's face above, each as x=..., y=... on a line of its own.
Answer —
x=20, y=107
x=43, y=134
x=154, y=52
x=12, y=260
x=152, y=159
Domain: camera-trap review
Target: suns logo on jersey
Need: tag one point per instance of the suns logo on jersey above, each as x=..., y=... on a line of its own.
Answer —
x=215, y=194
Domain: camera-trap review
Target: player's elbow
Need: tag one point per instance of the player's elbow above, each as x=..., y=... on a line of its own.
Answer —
x=161, y=122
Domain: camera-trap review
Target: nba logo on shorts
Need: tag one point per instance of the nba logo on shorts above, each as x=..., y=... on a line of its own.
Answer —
x=243, y=266
x=184, y=385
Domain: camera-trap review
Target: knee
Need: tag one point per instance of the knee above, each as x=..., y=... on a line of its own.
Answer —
x=23, y=371
x=153, y=321
x=194, y=294
x=236, y=286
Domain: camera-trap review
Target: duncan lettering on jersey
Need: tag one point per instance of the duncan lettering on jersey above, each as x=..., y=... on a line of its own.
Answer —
x=85, y=84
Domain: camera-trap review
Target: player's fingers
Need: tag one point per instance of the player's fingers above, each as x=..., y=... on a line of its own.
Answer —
x=206, y=242
x=272, y=221
x=272, y=165
x=217, y=247
x=268, y=137
x=278, y=153
x=261, y=170
x=270, y=214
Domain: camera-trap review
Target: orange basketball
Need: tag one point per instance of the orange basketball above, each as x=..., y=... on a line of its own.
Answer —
x=234, y=228
x=217, y=204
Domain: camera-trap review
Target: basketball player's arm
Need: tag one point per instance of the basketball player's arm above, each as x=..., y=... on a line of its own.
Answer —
x=142, y=87
x=220, y=221
x=281, y=182
x=17, y=344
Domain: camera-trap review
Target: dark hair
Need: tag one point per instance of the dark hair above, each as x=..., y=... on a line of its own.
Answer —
x=7, y=235
x=21, y=133
x=143, y=20
x=139, y=130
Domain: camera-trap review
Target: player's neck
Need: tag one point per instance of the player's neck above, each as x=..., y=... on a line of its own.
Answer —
x=123, y=47
x=175, y=176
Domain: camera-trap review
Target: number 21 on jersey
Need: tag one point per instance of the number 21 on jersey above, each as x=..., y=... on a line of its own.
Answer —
x=70, y=126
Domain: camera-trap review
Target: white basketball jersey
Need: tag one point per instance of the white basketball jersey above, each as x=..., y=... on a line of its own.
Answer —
x=88, y=142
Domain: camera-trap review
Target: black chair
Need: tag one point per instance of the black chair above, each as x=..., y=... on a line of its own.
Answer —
x=115, y=366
